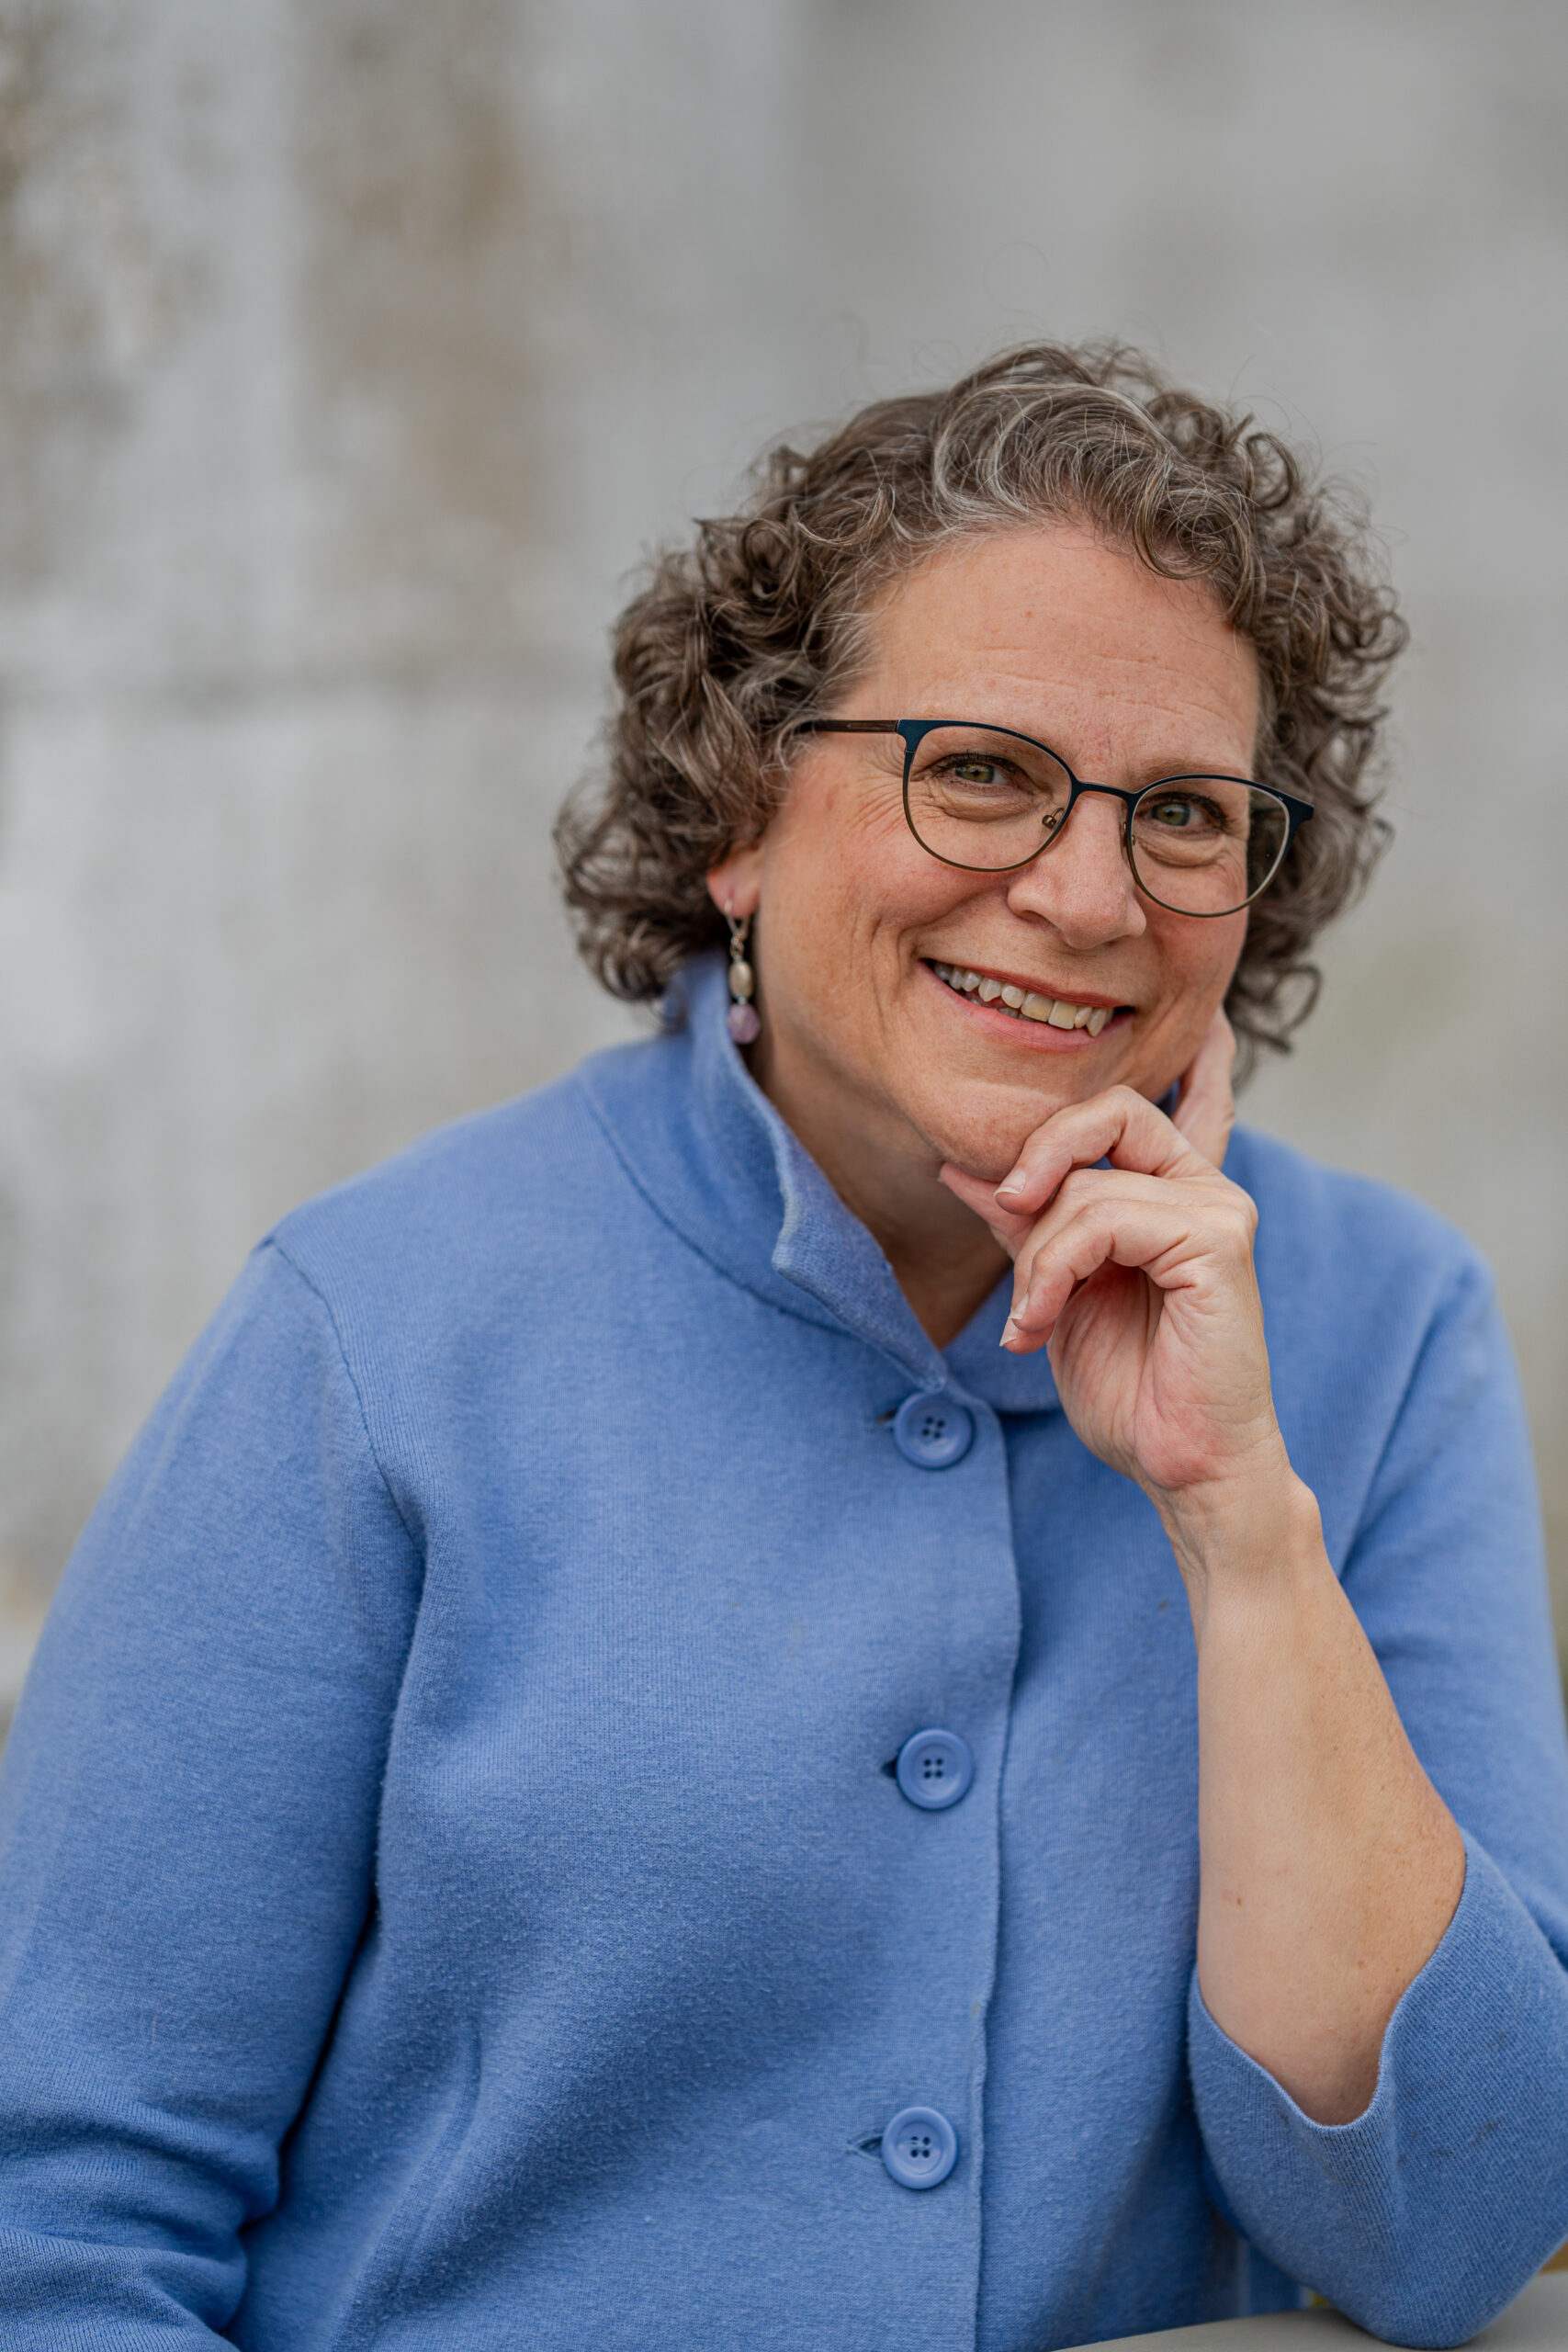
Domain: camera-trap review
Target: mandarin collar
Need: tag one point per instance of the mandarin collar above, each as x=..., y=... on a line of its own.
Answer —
x=701, y=1140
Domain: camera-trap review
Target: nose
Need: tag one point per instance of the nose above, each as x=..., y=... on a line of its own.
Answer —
x=1082, y=885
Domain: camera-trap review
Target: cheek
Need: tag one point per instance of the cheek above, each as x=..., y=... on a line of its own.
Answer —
x=1196, y=960
x=840, y=866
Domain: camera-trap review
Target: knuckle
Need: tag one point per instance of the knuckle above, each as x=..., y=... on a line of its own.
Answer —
x=1241, y=1232
x=1242, y=1205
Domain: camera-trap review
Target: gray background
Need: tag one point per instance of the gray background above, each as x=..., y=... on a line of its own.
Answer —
x=352, y=352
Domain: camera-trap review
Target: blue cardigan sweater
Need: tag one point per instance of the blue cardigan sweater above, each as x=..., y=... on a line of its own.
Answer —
x=455, y=1897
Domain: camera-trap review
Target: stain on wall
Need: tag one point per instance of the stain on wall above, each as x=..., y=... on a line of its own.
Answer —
x=420, y=296
x=76, y=277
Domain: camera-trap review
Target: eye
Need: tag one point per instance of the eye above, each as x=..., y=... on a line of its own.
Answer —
x=979, y=783
x=1180, y=812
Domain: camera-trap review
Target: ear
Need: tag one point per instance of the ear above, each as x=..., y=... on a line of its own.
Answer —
x=736, y=885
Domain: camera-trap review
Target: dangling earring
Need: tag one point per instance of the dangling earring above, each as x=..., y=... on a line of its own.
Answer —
x=741, y=1017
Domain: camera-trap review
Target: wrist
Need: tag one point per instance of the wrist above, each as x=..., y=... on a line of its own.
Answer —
x=1256, y=1529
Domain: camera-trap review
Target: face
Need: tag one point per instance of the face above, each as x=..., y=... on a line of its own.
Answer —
x=1129, y=677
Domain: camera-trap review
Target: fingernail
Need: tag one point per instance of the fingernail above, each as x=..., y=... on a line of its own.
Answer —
x=1010, y=1186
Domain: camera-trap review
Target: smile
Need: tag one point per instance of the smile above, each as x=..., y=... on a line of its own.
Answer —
x=1024, y=1004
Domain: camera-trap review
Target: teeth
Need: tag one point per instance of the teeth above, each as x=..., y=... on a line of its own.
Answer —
x=1028, y=1003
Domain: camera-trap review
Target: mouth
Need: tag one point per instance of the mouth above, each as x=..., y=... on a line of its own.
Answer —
x=1014, y=998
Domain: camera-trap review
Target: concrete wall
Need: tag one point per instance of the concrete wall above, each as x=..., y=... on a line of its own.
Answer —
x=353, y=350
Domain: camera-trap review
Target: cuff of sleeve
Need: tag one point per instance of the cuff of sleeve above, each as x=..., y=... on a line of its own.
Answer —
x=1429, y=2212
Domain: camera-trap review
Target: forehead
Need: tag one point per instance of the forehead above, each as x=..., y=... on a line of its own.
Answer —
x=1048, y=624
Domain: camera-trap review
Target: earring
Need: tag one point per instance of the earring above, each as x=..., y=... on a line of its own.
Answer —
x=741, y=1017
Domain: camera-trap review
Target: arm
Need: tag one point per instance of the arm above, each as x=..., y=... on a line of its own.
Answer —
x=1331, y=1866
x=1427, y=2211
x=186, y=1831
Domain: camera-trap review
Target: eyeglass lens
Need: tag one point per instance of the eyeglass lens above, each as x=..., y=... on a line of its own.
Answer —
x=1204, y=845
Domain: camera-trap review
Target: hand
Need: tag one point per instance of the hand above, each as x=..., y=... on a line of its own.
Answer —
x=1139, y=1279
x=1330, y=1865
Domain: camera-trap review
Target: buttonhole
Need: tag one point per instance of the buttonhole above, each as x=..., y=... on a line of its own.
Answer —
x=891, y=1768
x=881, y=1420
x=872, y=2147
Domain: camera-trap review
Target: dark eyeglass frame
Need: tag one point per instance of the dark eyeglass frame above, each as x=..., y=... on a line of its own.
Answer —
x=913, y=731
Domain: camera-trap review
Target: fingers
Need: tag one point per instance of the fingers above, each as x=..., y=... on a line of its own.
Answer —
x=1178, y=1237
x=1206, y=1111
x=1117, y=1125
x=1054, y=1275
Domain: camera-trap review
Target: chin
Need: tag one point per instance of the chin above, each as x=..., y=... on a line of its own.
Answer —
x=983, y=1129
x=985, y=1137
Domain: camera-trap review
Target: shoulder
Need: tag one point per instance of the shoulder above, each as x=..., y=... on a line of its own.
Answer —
x=1321, y=1228
x=475, y=1212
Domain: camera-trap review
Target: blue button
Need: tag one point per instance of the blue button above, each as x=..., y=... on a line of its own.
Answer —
x=933, y=1430
x=919, y=2147
x=934, y=1770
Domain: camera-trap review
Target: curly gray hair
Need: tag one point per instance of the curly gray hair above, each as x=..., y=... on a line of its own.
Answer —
x=761, y=620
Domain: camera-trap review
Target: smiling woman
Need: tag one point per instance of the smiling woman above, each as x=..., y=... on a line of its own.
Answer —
x=743, y=1843
x=764, y=619
x=875, y=1064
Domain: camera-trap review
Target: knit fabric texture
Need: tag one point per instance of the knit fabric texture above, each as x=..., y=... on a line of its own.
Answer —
x=454, y=1895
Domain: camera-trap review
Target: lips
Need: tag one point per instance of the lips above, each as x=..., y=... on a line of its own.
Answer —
x=1024, y=1004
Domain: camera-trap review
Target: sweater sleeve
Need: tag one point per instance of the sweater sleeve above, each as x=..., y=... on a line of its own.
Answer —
x=1429, y=2212
x=187, y=1821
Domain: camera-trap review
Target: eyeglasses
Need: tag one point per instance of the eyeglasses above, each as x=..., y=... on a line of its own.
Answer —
x=988, y=801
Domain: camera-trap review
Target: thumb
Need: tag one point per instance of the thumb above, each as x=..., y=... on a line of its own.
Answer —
x=1205, y=1112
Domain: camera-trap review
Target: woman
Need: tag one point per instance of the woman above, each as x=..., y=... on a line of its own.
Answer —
x=614, y=1770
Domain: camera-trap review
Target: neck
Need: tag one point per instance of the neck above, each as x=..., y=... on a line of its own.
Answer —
x=944, y=1259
